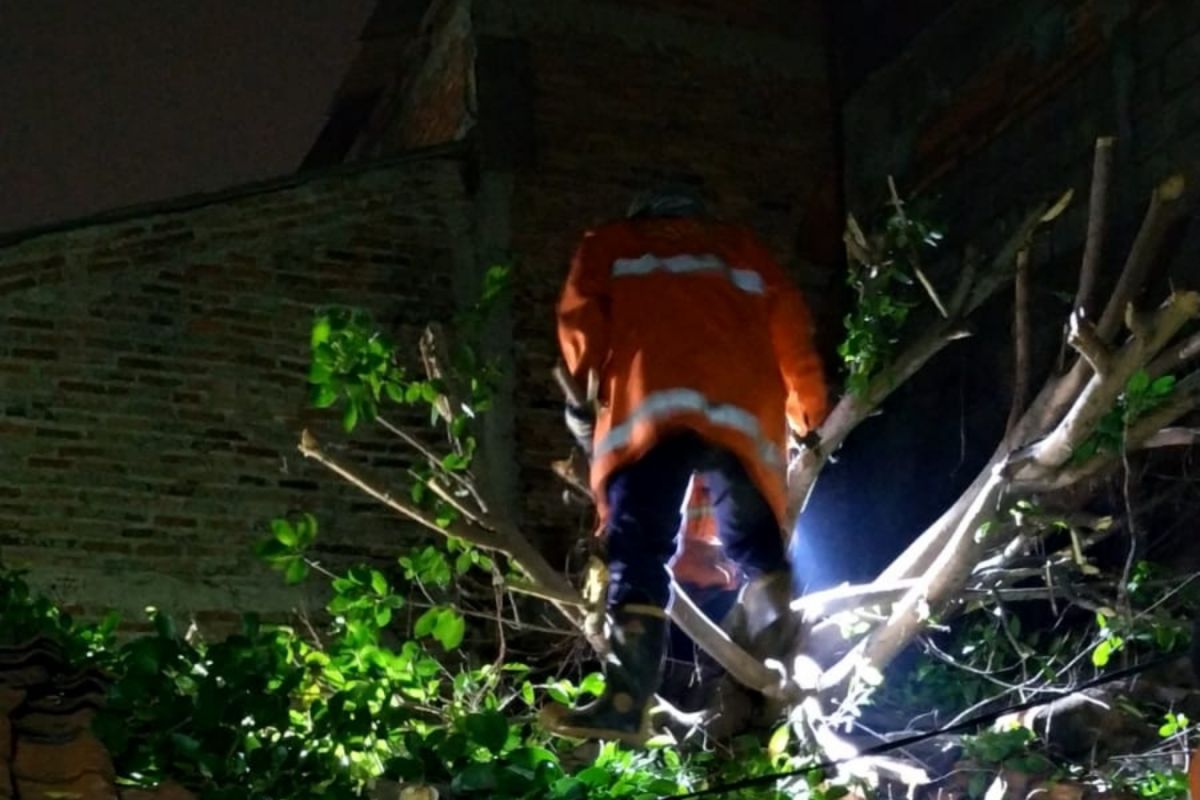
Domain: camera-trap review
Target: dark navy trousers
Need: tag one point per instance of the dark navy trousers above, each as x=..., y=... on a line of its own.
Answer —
x=645, y=500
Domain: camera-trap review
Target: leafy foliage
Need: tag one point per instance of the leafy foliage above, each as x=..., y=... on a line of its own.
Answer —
x=1141, y=396
x=883, y=277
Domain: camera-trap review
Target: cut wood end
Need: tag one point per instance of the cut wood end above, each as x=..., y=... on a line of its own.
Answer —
x=1105, y=142
x=1187, y=302
x=1059, y=206
x=1172, y=188
x=308, y=442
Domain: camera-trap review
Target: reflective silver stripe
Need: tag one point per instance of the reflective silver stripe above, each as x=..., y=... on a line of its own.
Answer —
x=674, y=401
x=746, y=280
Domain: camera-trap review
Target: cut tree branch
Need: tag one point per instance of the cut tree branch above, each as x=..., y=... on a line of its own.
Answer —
x=1101, y=392
x=1022, y=341
x=1097, y=222
x=1162, y=212
x=1085, y=340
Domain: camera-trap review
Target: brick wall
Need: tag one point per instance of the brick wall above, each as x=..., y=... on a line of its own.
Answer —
x=152, y=380
x=997, y=102
x=991, y=107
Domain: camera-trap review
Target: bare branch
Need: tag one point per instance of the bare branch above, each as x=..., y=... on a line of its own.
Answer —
x=480, y=537
x=1159, y=216
x=1172, y=437
x=574, y=472
x=1022, y=341
x=1179, y=355
x=1184, y=399
x=744, y=668
x=1083, y=338
x=436, y=358
x=1097, y=221
x=1099, y=395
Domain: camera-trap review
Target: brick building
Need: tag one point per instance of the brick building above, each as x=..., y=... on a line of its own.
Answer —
x=153, y=367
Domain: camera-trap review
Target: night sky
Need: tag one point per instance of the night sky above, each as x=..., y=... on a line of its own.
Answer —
x=105, y=103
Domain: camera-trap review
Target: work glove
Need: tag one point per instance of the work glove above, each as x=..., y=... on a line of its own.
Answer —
x=581, y=422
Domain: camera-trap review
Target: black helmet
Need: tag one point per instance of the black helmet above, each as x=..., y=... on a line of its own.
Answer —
x=675, y=200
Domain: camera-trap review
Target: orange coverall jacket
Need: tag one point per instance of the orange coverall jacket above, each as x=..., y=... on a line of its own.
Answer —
x=690, y=325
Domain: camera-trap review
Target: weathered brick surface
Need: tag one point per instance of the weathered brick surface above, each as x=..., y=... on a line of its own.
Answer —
x=998, y=103
x=994, y=106
x=152, y=376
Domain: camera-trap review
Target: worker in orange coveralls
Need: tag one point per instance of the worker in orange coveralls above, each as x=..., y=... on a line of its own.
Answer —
x=703, y=354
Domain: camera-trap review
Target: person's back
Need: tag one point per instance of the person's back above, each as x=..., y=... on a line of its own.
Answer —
x=692, y=340
x=702, y=353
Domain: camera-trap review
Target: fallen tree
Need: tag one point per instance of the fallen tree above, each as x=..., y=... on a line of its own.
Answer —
x=1125, y=388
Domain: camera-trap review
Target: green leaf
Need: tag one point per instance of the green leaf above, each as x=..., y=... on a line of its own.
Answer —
x=593, y=684
x=426, y=622
x=324, y=396
x=777, y=745
x=464, y=562
x=350, y=416
x=1103, y=653
x=1138, y=383
x=1163, y=386
x=319, y=373
x=285, y=534
x=320, y=330
x=489, y=729
x=475, y=778
x=383, y=616
x=450, y=629
x=379, y=583
x=296, y=571
x=394, y=391
x=271, y=550
x=307, y=530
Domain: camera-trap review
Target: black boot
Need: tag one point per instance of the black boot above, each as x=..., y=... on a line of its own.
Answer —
x=762, y=621
x=637, y=638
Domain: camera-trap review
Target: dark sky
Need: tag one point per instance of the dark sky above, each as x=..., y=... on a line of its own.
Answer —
x=104, y=103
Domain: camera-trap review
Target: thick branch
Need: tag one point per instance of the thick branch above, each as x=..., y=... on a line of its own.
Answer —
x=1022, y=341
x=947, y=576
x=1100, y=394
x=547, y=583
x=1097, y=221
x=1085, y=340
x=850, y=411
x=1159, y=216
x=743, y=667
x=1179, y=355
x=1172, y=437
x=1184, y=399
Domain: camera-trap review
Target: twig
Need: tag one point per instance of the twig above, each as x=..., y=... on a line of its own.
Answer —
x=436, y=462
x=898, y=204
x=479, y=537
